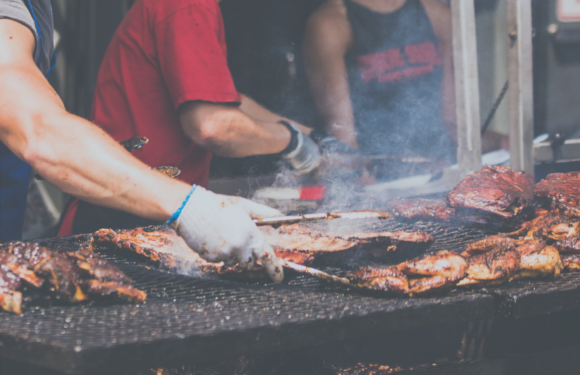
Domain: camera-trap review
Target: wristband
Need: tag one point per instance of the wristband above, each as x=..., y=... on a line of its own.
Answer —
x=176, y=214
x=293, y=138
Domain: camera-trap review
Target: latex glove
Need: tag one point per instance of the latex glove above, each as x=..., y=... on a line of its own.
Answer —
x=303, y=155
x=220, y=228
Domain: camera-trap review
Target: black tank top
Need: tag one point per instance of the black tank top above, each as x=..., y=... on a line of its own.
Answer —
x=395, y=74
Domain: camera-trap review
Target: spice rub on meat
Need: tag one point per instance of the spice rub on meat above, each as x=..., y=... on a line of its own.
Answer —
x=494, y=195
x=561, y=193
x=420, y=209
x=385, y=279
x=433, y=271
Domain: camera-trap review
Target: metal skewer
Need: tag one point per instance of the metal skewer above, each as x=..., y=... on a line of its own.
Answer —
x=316, y=273
x=321, y=216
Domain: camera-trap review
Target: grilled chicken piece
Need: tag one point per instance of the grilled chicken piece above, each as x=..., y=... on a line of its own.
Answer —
x=492, y=194
x=488, y=244
x=421, y=209
x=386, y=279
x=561, y=192
x=570, y=245
x=64, y=276
x=552, y=226
x=434, y=271
x=491, y=268
x=106, y=279
x=537, y=260
x=571, y=262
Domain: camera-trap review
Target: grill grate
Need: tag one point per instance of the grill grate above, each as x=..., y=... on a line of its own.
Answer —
x=191, y=319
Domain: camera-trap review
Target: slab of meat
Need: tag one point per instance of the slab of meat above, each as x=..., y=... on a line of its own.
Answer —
x=552, y=226
x=160, y=244
x=493, y=194
x=570, y=245
x=434, y=271
x=561, y=192
x=67, y=276
x=488, y=244
x=420, y=209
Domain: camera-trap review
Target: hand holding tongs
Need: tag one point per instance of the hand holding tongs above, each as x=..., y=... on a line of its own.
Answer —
x=366, y=214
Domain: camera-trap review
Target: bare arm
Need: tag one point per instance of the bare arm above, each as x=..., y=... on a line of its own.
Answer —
x=257, y=112
x=327, y=39
x=227, y=131
x=440, y=16
x=71, y=153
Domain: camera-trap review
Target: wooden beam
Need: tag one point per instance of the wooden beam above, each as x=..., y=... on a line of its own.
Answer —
x=466, y=87
x=520, y=94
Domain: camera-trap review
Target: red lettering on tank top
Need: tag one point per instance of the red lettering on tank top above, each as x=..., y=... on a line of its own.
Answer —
x=392, y=66
x=424, y=53
x=374, y=65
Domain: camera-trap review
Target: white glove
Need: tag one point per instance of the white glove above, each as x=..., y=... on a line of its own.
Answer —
x=220, y=228
x=305, y=156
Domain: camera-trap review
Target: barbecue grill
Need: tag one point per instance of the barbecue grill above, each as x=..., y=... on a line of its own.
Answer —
x=190, y=320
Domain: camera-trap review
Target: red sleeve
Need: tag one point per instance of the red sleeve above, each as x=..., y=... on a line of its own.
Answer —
x=192, y=56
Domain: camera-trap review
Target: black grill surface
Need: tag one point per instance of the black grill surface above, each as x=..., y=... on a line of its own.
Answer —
x=186, y=320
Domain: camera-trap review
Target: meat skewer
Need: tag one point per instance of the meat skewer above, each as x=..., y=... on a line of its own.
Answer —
x=368, y=214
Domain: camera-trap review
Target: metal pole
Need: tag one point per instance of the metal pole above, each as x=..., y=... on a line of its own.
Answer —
x=466, y=87
x=520, y=94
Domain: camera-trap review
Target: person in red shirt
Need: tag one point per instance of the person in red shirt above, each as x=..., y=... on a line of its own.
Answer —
x=165, y=77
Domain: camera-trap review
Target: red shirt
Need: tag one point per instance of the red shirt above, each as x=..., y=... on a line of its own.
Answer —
x=163, y=54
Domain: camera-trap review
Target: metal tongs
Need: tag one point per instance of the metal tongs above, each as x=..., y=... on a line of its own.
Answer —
x=367, y=214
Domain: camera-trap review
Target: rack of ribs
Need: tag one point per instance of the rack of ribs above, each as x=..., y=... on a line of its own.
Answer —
x=493, y=194
x=421, y=209
x=65, y=276
x=561, y=193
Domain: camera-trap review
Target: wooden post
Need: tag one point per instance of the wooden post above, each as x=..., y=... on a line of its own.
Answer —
x=466, y=89
x=520, y=94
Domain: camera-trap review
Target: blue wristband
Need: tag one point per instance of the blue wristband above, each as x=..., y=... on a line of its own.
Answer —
x=178, y=212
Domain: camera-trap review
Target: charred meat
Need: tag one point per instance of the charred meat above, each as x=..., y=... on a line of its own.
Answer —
x=386, y=279
x=571, y=262
x=434, y=271
x=491, y=268
x=493, y=194
x=550, y=227
x=421, y=209
x=488, y=244
x=537, y=260
x=561, y=192
x=570, y=245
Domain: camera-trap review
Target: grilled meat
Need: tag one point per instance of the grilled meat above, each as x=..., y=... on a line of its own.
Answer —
x=561, y=192
x=552, y=226
x=434, y=271
x=106, y=279
x=494, y=195
x=570, y=245
x=488, y=244
x=59, y=271
x=491, y=268
x=537, y=260
x=158, y=243
x=394, y=238
x=571, y=262
x=302, y=239
x=20, y=268
x=421, y=209
x=386, y=279
x=10, y=298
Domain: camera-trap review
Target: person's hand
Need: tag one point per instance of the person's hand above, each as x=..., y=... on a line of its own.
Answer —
x=302, y=153
x=220, y=228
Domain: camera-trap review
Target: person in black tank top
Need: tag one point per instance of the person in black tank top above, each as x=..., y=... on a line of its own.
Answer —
x=381, y=75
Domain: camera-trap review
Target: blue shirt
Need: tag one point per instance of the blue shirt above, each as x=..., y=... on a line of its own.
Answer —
x=15, y=173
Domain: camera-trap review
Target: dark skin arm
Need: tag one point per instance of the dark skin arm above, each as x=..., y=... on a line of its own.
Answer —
x=71, y=153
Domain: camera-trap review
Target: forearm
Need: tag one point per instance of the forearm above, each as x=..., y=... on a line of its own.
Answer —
x=259, y=113
x=227, y=131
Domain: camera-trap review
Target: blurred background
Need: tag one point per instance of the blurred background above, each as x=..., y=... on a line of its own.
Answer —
x=264, y=41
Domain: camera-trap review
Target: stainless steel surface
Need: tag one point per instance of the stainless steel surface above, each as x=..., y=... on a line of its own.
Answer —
x=520, y=77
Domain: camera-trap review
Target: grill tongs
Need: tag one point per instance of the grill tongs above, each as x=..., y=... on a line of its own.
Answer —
x=280, y=220
x=317, y=273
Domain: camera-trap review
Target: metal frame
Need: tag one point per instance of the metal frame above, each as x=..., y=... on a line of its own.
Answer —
x=521, y=115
